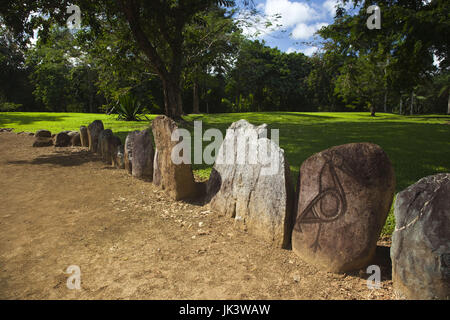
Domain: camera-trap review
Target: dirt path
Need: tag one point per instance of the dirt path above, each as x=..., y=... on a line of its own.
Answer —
x=62, y=207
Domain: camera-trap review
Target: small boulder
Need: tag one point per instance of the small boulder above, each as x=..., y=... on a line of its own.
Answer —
x=143, y=154
x=84, y=138
x=111, y=153
x=43, y=138
x=94, y=130
x=345, y=194
x=128, y=151
x=420, y=250
x=118, y=160
x=62, y=139
x=103, y=144
x=75, y=139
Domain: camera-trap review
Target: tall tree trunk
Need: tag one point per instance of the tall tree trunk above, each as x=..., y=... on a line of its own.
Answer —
x=401, y=104
x=385, y=102
x=172, y=95
x=196, y=103
x=448, y=111
x=412, y=103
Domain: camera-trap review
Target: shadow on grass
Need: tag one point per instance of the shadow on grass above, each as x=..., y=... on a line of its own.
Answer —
x=24, y=119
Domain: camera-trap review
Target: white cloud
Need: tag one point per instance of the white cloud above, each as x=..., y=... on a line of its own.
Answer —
x=309, y=51
x=292, y=50
x=303, y=31
x=292, y=13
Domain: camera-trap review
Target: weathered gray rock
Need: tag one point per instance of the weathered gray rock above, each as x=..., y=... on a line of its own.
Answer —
x=62, y=139
x=94, y=130
x=345, y=194
x=118, y=160
x=6, y=129
x=256, y=191
x=84, y=138
x=420, y=250
x=75, y=139
x=113, y=143
x=128, y=151
x=43, y=138
x=103, y=145
x=176, y=179
x=143, y=154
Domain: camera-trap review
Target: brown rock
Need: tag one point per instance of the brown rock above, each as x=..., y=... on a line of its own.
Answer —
x=94, y=130
x=43, y=138
x=75, y=139
x=84, y=138
x=143, y=154
x=62, y=139
x=118, y=160
x=176, y=179
x=345, y=194
x=128, y=151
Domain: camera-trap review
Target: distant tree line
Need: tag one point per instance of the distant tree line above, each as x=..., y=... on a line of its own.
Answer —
x=198, y=60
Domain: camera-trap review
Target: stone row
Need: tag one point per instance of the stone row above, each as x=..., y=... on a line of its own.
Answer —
x=334, y=218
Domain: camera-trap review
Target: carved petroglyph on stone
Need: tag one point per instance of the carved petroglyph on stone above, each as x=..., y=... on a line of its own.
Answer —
x=330, y=203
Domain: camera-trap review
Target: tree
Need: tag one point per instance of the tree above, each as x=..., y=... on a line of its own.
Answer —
x=157, y=26
x=411, y=33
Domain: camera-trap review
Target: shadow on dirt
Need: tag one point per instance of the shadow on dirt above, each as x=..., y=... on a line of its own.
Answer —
x=63, y=158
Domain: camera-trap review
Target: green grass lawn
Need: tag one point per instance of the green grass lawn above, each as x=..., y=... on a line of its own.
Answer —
x=418, y=146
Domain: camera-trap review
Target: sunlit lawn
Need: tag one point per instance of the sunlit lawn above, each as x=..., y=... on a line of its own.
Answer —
x=418, y=146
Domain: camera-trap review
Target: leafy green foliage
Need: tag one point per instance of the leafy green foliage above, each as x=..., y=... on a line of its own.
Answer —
x=128, y=108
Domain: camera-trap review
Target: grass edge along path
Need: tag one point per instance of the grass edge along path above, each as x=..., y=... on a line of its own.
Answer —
x=418, y=146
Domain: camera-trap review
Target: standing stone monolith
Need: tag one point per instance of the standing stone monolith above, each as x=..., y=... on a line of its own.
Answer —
x=75, y=139
x=420, y=250
x=113, y=143
x=62, y=139
x=94, y=130
x=344, y=196
x=118, y=160
x=103, y=145
x=251, y=182
x=143, y=154
x=84, y=136
x=176, y=179
x=128, y=151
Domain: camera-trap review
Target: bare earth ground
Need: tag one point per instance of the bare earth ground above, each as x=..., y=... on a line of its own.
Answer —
x=63, y=206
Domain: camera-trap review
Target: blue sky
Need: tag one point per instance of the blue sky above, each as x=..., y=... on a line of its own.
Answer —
x=300, y=19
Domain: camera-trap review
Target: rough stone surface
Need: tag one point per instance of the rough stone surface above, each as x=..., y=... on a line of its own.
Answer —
x=43, y=138
x=258, y=194
x=113, y=143
x=75, y=139
x=94, y=130
x=84, y=138
x=118, y=160
x=43, y=134
x=345, y=194
x=62, y=139
x=143, y=154
x=420, y=250
x=128, y=151
x=103, y=145
x=176, y=179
